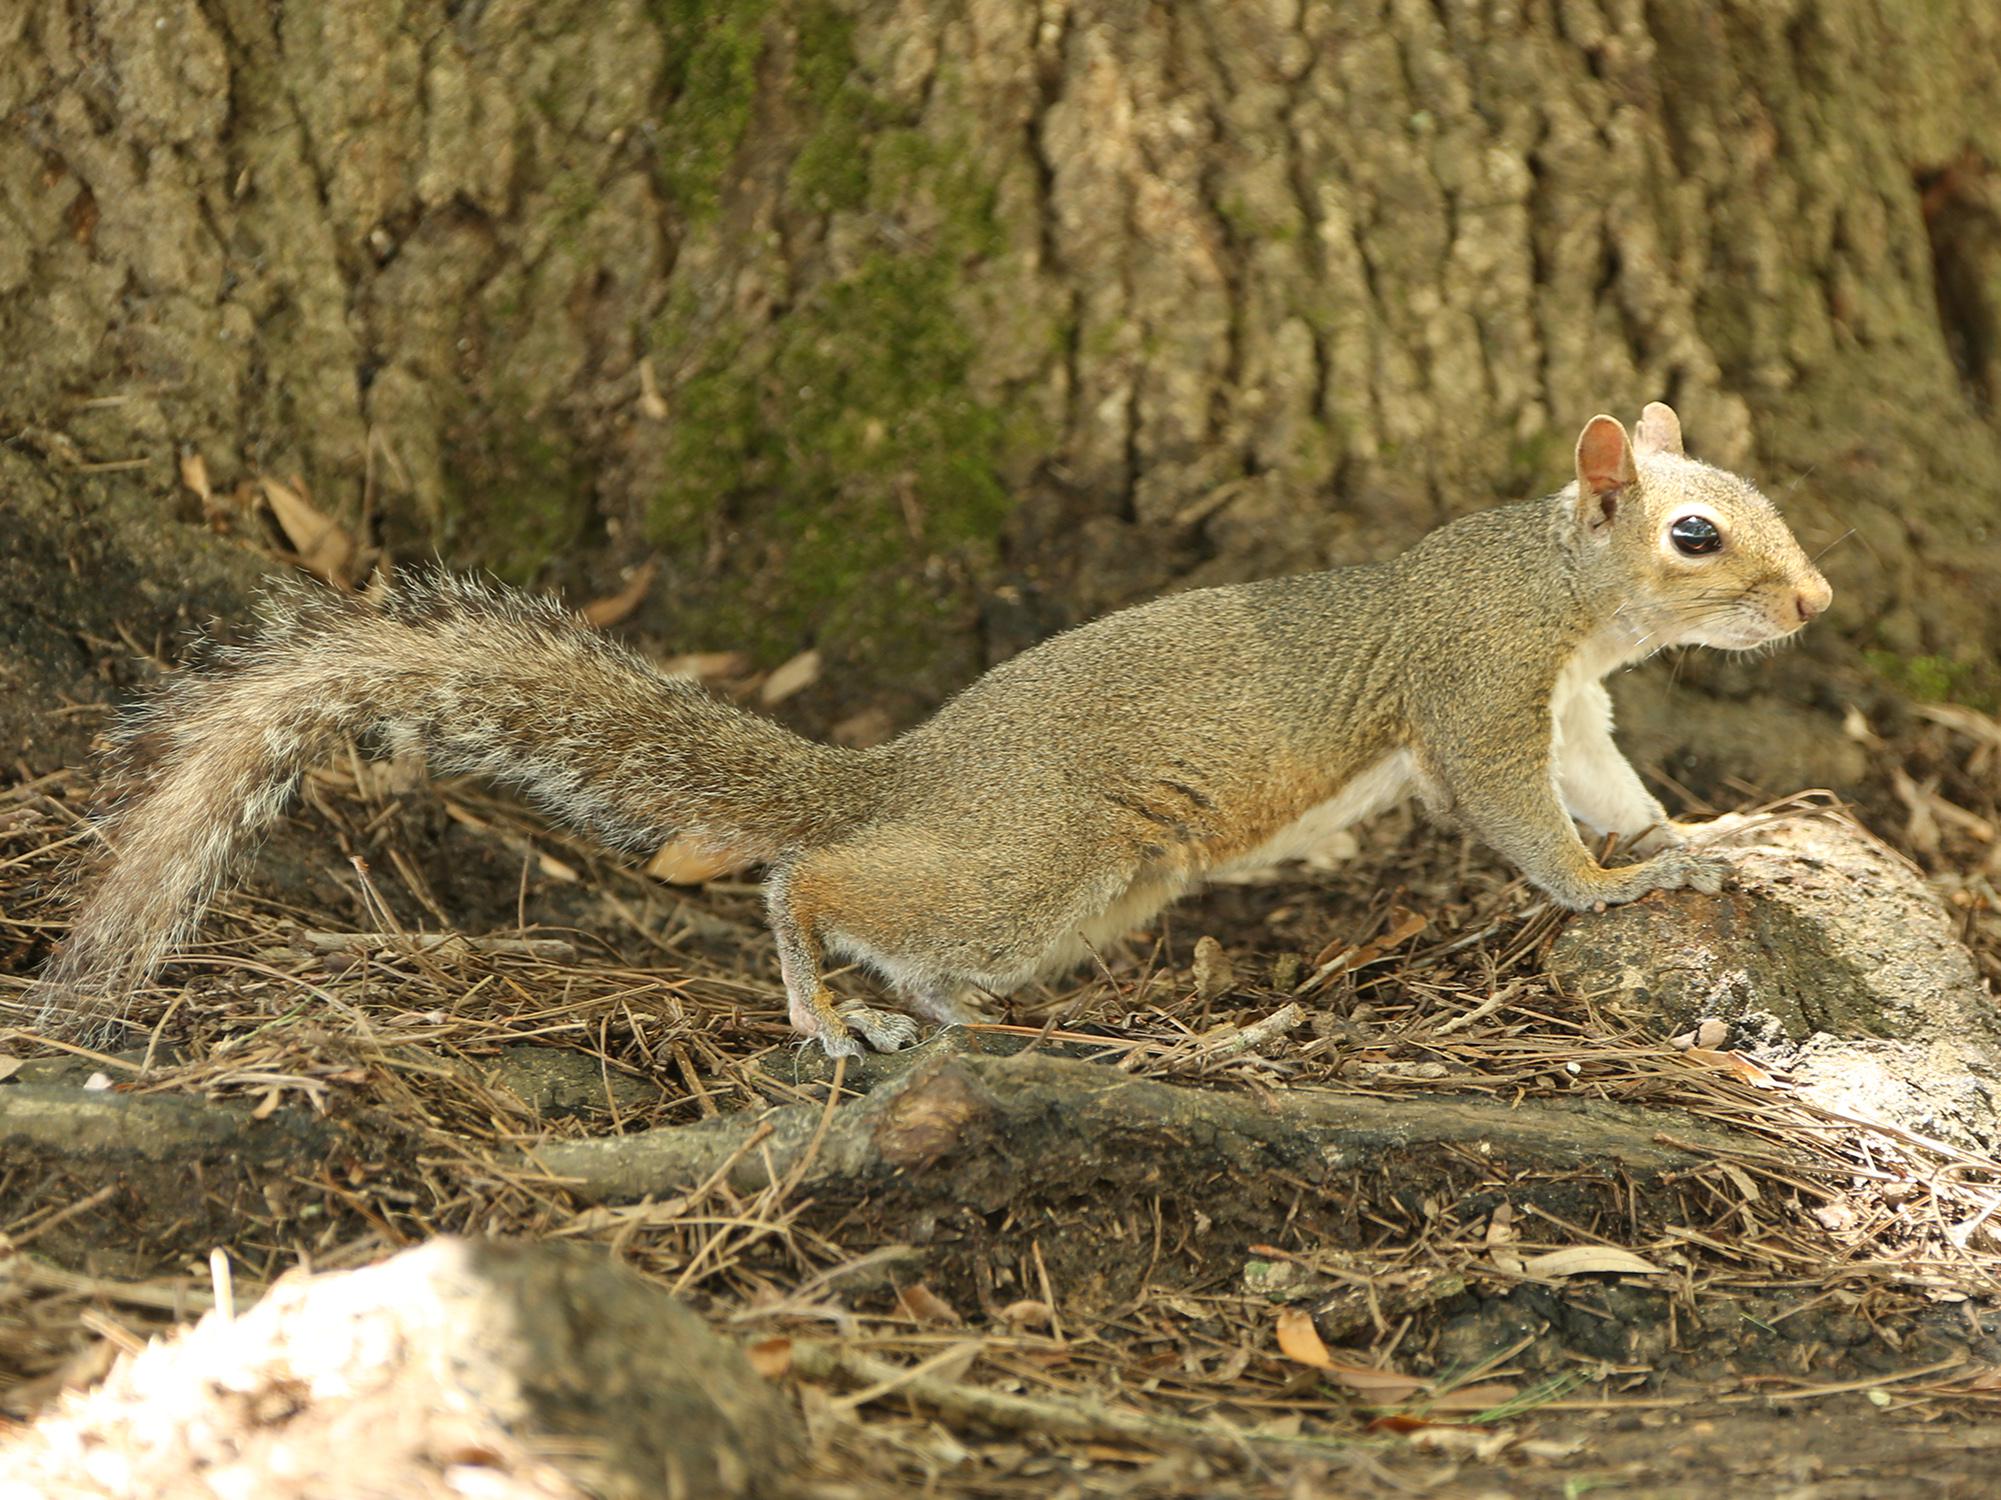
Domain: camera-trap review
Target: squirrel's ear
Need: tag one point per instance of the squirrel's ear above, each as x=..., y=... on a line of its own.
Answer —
x=1659, y=430
x=1604, y=469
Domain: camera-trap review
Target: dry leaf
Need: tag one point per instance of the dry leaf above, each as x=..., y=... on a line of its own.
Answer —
x=1732, y=1062
x=685, y=862
x=1333, y=960
x=1500, y=1239
x=1466, y=1442
x=556, y=869
x=651, y=403
x=706, y=666
x=1214, y=974
x=1920, y=827
x=194, y=474
x=1856, y=727
x=9, y=1066
x=1741, y=1180
x=1384, y=1386
x=1584, y=1260
x=864, y=730
x=1029, y=1312
x=1299, y=1341
x=795, y=676
x=615, y=607
x=323, y=545
x=771, y=1358
x=925, y=1306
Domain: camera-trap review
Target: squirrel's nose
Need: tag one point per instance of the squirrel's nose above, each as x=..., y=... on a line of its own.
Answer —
x=1813, y=598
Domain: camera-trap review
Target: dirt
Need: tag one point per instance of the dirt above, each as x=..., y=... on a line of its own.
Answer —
x=397, y=1111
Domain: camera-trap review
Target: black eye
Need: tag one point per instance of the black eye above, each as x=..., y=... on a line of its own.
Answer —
x=1696, y=536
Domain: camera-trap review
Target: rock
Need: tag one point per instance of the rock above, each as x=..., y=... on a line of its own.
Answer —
x=1830, y=950
x=459, y=1368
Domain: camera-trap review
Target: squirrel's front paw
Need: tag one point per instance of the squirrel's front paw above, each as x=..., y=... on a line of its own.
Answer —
x=1686, y=868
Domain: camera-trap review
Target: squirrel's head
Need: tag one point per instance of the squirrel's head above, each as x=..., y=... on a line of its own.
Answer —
x=1696, y=556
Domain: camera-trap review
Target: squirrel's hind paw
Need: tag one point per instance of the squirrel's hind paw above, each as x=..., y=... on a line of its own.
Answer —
x=818, y=1019
x=884, y=1030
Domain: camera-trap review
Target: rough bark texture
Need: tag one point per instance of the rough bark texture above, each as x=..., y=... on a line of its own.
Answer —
x=969, y=319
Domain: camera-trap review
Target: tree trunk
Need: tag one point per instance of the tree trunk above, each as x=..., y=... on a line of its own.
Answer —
x=915, y=331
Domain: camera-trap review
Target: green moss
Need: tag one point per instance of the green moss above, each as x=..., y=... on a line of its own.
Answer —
x=852, y=455
x=1251, y=223
x=1536, y=465
x=521, y=495
x=831, y=169
x=1932, y=679
x=833, y=459
x=713, y=50
x=908, y=167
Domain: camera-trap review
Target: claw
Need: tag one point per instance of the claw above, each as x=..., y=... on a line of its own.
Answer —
x=884, y=1030
x=837, y=1043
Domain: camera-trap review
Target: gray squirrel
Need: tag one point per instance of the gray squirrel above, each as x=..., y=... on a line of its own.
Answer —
x=1059, y=801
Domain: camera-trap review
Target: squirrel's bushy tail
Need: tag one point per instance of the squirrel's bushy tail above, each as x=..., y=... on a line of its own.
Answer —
x=484, y=681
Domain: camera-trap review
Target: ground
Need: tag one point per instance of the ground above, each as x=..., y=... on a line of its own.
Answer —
x=1813, y=1311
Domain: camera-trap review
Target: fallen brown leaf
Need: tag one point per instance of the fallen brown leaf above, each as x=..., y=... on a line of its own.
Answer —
x=1731, y=1062
x=771, y=1358
x=1029, y=1312
x=685, y=862
x=652, y=404
x=925, y=1306
x=795, y=676
x=1582, y=1260
x=322, y=543
x=194, y=474
x=1300, y=1342
x=613, y=608
x=706, y=665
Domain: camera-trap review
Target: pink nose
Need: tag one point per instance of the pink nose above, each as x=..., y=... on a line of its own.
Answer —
x=1813, y=599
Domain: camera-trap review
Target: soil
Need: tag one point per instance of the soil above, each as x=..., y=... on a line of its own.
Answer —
x=1824, y=1321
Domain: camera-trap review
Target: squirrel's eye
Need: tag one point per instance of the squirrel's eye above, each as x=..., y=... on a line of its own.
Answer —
x=1695, y=536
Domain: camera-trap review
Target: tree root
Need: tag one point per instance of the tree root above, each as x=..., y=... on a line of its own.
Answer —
x=978, y=1129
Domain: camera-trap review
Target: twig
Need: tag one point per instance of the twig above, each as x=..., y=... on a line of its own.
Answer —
x=1066, y=1419
x=1287, y=1017
x=555, y=950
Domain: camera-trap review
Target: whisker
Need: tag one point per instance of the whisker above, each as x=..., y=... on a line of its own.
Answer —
x=1832, y=545
x=1795, y=483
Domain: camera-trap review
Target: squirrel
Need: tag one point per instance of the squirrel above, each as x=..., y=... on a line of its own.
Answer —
x=1060, y=800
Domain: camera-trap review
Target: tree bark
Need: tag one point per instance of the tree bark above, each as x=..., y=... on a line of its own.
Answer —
x=915, y=331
